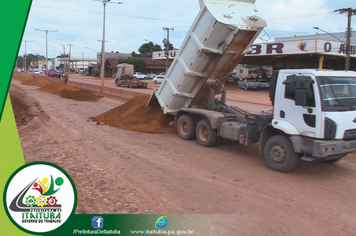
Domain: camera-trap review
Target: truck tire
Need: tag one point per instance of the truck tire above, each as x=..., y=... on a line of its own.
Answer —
x=279, y=154
x=336, y=159
x=246, y=88
x=206, y=135
x=155, y=81
x=186, y=127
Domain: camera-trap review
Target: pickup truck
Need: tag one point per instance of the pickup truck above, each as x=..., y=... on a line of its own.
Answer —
x=249, y=83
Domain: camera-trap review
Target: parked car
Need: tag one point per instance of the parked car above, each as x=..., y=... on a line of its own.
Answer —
x=54, y=74
x=162, y=74
x=264, y=83
x=37, y=72
x=139, y=75
x=249, y=83
x=158, y=79
x=151, y=76
x=232, y=79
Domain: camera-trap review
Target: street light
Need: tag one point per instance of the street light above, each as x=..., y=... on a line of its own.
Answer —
x=91, y=49
x=102, y=73
x=347, y=61
x=70, y=49
x=26, y=53
x=47, y=46
x=83, y=61
x=317, y=28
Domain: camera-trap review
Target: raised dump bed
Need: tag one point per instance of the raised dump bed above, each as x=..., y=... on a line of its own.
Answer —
x=213, y=47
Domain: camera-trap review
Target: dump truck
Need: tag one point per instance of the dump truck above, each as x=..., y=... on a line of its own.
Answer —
x=314, y=111
x=125, y=77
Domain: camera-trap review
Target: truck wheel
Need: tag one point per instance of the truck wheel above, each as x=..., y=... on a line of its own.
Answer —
x=206, y=135
x=155, y=81
x=336, y=159
x=279, y=154
x=186, y=127
x=246, y=88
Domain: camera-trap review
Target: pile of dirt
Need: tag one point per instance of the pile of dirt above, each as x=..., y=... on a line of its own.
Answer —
x=135, y=115
x=55, y=86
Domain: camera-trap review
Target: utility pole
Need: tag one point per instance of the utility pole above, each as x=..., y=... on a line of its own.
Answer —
x=350, y=12
x=83, y=62
x=26, y=53
x=167, y=46
x=47, y=47
x=102, y=71
x=70, y=48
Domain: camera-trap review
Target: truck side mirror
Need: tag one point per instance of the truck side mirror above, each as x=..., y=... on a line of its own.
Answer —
x=300, y=98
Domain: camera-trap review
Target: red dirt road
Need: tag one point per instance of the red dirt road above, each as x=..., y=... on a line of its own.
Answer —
x=120, y=172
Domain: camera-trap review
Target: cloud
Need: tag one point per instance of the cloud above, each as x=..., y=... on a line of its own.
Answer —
x=80, y=22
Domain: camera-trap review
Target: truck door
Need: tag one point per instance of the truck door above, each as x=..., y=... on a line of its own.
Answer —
x=298, y=109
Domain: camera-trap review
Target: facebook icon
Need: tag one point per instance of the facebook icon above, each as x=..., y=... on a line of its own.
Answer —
x=97, y=222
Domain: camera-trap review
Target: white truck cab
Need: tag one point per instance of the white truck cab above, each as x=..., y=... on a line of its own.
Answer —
x=317, y=106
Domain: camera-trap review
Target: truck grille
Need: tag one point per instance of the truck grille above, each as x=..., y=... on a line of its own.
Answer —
x=350, y=134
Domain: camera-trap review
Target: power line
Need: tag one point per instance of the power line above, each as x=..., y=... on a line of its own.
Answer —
x=301, y=16
x=124, y=15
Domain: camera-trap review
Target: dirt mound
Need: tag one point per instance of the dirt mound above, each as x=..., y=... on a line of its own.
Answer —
x=55, y=86
x=135, y=115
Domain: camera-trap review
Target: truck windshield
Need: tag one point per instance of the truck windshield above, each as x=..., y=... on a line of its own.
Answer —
x=337, y=93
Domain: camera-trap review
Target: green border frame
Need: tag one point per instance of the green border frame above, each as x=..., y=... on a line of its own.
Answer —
x=31, y=164
x=14, y=15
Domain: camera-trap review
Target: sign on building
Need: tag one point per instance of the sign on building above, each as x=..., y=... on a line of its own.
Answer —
x=305, y=46
x=162, y=54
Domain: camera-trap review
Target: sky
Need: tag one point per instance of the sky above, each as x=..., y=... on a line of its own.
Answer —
x=134, y=22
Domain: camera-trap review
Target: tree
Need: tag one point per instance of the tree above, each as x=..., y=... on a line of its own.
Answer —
x=134, y=54
x=61, y=55
x=20, y=61
x=139, y=64
x=146, y=49
x=170, y=47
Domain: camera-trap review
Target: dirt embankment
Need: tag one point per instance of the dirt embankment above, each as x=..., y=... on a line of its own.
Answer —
x=56, y=87
x=134, y=115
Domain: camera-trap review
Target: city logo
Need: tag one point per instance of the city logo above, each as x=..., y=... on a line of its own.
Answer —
x=302, y=46
x=39, y=197
x=97, y=222
x=161, y=222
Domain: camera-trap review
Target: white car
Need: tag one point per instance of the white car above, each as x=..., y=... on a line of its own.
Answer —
x=158, y=79
x=139, y=75
x=37, y=72
x=162, y=74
